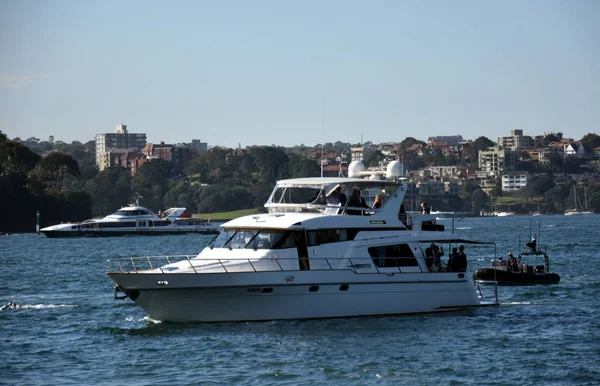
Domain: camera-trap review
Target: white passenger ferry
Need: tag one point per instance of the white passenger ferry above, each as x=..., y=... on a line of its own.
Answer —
x=134, y=220
x=310, y=256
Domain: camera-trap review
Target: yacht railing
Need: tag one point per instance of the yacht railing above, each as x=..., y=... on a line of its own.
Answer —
x=190, y=264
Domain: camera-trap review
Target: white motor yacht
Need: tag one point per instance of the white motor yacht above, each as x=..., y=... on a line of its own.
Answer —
x=134, y=220
x=310, y=256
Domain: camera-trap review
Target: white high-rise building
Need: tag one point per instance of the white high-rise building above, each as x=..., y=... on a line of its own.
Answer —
x=120, y=139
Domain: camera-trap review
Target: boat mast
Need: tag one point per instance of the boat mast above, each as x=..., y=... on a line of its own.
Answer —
x=322, y=132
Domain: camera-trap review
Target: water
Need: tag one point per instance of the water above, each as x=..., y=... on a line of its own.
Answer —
x=60, y=324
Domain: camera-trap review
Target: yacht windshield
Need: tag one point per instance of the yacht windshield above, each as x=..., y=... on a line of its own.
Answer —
x=298, y=195
x=253, y=239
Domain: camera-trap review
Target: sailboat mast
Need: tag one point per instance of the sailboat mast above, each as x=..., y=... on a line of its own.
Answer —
x=322, y=132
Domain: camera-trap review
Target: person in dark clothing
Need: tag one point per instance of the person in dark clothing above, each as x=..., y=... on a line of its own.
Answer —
x=433, y=256
x=356, y=201
x=451, y=260
x=459, y=263
x=425, y=209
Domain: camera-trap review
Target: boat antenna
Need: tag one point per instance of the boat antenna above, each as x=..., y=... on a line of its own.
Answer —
x=322, y=132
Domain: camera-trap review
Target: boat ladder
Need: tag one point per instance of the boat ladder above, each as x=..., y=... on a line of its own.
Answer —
x=494, y=283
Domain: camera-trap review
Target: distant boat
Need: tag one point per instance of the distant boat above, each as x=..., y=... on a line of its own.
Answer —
x=520, y=271
x=504, y=214
x=579, y=210
x=134, y=220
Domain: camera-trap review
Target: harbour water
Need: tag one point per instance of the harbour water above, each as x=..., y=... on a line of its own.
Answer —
x=60, y=323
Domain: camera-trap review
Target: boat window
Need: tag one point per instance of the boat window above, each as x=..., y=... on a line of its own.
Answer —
x=240, y=239
x=271, y=239
x=121, y=224
x=325, y=236
x=288, y=241
x=254, y=239
x=295, y=195
x=396, y=255
x=222, y=239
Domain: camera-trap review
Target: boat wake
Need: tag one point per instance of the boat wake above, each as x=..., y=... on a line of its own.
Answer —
x=517, y=303
x=17, y=306
x=146, y=319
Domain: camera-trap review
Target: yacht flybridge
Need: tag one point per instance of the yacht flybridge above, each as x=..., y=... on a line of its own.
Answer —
x=313, y=255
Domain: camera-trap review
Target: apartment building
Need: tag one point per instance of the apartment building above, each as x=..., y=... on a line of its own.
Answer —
x=514, y=181
x=516, y=141
x=496, y=160
x=119, y=139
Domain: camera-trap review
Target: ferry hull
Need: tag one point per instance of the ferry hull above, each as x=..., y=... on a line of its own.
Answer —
x=105, y=233
x=275, y=296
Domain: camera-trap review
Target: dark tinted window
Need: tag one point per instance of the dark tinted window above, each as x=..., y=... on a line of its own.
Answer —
x=396, y=255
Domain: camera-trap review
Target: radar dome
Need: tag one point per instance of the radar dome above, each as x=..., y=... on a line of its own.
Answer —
x=394, y=169
x=355, y=168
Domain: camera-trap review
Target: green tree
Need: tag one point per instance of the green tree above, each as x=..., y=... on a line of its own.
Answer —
x=55, y=167
x=551, y=138
x=555, y=198
x=180, y=194
x=374, y=159
x=109, y=190
x=471, y=151
x=590, y=141
x=302, y=167
x=410, y=141
x=468, y=188
x=15, y=157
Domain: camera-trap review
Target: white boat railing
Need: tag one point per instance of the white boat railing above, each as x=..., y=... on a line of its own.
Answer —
x=173, y=264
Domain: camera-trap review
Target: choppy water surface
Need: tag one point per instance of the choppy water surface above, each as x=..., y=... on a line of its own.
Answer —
x=61, y=325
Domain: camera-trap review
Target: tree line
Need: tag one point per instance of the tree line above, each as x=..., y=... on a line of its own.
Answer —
x=65, y=185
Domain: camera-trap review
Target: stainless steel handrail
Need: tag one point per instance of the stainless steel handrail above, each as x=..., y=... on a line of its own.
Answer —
x=136, y=264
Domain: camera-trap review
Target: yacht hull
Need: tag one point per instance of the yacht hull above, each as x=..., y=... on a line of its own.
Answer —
x=279, y=295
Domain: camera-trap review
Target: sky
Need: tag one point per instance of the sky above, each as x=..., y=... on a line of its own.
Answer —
x=242, y=73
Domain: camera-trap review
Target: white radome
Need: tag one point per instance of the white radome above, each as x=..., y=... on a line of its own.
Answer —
x=355, y=168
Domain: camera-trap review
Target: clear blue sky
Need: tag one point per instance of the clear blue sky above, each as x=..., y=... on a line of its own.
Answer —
x=256, y=73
